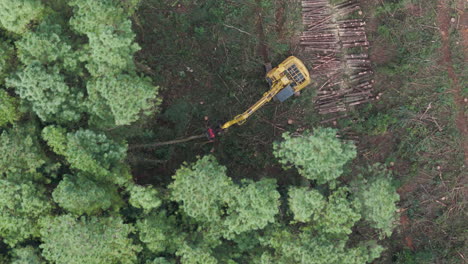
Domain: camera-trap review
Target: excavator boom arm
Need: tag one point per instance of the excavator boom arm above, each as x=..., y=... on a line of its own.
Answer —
x=290, y=74
x=240, y=119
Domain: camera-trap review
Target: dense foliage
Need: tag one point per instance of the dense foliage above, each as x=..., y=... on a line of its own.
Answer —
x=8, y=109
x=87, y=240
x=15, y=15
x=48, y=93
x=22, y=205
x=75, y=96
x=319, y=157
x=80, y=195
x=377, y=198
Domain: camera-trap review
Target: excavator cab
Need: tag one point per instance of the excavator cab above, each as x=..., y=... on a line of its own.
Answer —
x=291, y=75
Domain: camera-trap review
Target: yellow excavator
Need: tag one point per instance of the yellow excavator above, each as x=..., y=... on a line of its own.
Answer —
x=288, y=78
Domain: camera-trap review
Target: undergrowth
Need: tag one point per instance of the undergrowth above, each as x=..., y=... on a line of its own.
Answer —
x=412, y=128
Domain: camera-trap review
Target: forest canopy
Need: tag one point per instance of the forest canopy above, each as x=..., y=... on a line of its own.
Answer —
x=76, y=94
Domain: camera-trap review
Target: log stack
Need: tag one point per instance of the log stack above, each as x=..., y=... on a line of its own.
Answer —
x=336, y=48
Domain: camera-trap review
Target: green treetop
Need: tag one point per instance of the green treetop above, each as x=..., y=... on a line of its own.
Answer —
x=306, y=204
x=9, y=112
x=88, y=151
x=50, y=96
x=21, y=152
x=319, y=156
x=202, y=189
x=26, y=255
x=121, y=98
x=160, y=260
x=21, y=207
x=251, y=207
x=111, y=39
x=195, y=255
x=80, y=195
x=110, y=52
x=6, y=62
x=311, y=248
x=144, y=197
x=377, y=198
x=93, y=17
x=339, y=215
x=15, y=15
x=46, y=44
x=92, y=240
x=334, y=216
x=160, y=232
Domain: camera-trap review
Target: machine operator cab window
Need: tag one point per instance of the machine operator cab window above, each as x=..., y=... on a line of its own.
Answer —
x=292, y=74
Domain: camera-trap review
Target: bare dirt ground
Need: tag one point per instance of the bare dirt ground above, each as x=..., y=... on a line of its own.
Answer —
x=444, y=21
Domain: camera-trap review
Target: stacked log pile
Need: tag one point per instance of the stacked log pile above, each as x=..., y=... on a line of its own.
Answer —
x=327, y=41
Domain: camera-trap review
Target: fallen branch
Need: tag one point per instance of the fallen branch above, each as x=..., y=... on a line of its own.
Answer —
x=238, y=29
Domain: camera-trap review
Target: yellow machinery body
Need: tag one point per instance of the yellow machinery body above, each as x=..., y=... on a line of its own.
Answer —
x=287, y=78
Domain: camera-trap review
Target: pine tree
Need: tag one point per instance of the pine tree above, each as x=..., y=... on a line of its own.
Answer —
x=202, y=189
x=21, y=207
x=339, y=215
x=15, y=15
x=21, y=152
x=311, y=248
x=194, y=255
x=6, y=62
x=306, y=204
x=377, y=197
x=26, y=255
x=111, y=39
x=93, y=240
x=90, y=152
x=80, y=195
x=121, y=98
x=160, y=260
x=319, y=156
x=144, y=197
x=160, y=232
x=251, y=207
x=9, y=112
x=46, y=44
x=50, y=96
x=111, y=53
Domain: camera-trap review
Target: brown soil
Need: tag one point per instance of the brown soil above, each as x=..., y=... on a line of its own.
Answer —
x=463, y=27
x=415, y=10
x=405, y=225
x=382, y=146
x=382, y=52
x=443, y=19
x=279, y=16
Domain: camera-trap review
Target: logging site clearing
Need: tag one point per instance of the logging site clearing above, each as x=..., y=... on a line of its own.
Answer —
x=236, y=131
x=398, y=97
